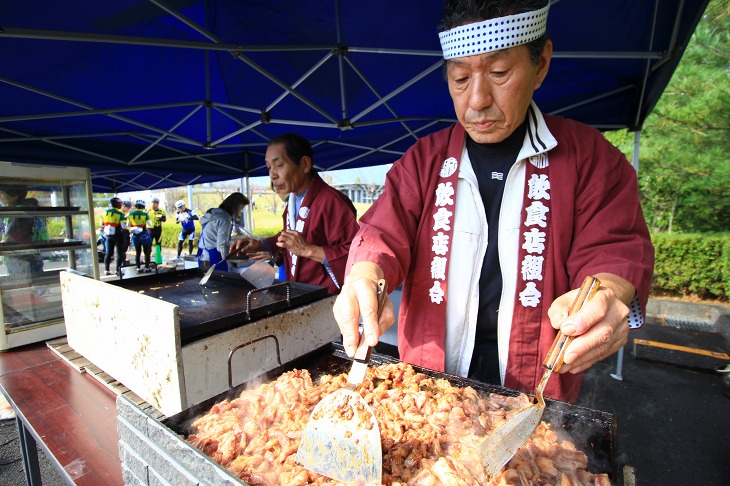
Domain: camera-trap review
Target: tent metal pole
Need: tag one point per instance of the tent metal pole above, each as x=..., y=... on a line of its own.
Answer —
x=101, y=111
x=619, y=365
x=592, y=99
x=377, y=149
x=340, y=57
x=635, y=164
x=163, y=137
x=298, y=81
x=673, y=40
x=63, y=35
x=377, y=94
x=248, y=210
x=637, y=145
x=647, y=71
x=239, y=55
x=45, y=34
x=648, y=55
x=398, y=90
x=89, y=107
x=208, y=102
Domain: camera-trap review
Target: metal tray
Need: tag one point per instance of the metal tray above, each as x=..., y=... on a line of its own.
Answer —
x=225, y=302
x=38, y=209
x=592, y=431
x=40, y=245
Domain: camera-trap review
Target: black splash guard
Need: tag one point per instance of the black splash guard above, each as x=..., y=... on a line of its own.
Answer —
x=221, y=303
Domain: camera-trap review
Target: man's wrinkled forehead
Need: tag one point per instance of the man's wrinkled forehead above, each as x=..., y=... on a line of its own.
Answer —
x=277, y=153
x=502, y=53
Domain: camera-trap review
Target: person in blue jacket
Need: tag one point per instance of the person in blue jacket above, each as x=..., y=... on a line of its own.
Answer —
x=215, y=235
x=187, y=219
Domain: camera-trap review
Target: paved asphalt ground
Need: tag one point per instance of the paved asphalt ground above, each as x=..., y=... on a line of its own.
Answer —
x=11, y=464
x=673, y=424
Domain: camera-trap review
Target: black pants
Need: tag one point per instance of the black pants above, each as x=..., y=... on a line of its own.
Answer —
x=156, y=234
x=138, y=248
x=185, y=235
x=115, y=242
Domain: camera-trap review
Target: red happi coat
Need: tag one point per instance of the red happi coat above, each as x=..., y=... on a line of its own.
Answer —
x=596, y=226
x=330, y=223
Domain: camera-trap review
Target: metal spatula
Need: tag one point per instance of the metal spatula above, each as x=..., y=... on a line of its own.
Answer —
x=207, y=275
x=342, y=438
x=499, y=447
x=259, y=274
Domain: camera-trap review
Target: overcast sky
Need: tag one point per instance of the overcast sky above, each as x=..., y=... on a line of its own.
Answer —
x=366, y=174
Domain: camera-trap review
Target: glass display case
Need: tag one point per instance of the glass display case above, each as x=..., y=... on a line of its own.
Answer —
x=46, y=226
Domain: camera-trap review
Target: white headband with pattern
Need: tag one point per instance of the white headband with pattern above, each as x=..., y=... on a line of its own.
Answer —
x=494, y=34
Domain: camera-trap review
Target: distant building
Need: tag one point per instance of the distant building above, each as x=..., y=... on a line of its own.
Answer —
x=361, y=193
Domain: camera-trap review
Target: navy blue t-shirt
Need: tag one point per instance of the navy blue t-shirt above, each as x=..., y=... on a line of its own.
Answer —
x=491, y=163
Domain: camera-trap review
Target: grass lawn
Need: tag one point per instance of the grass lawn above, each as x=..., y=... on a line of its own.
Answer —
x=267, y=223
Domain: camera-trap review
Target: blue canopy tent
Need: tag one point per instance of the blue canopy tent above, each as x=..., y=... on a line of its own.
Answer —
x=159, y=93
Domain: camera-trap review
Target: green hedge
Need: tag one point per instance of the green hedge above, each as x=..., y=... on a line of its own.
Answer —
x=686, y=264
x=171, y=232
x=692, y=265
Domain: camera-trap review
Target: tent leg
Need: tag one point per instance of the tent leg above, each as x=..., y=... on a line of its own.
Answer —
x=635, y=163
x=637, y=145
x=247, y=211
x=619, y=365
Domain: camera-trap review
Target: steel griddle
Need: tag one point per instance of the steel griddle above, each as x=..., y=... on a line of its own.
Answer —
x=592, y=431
x=222, y=303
